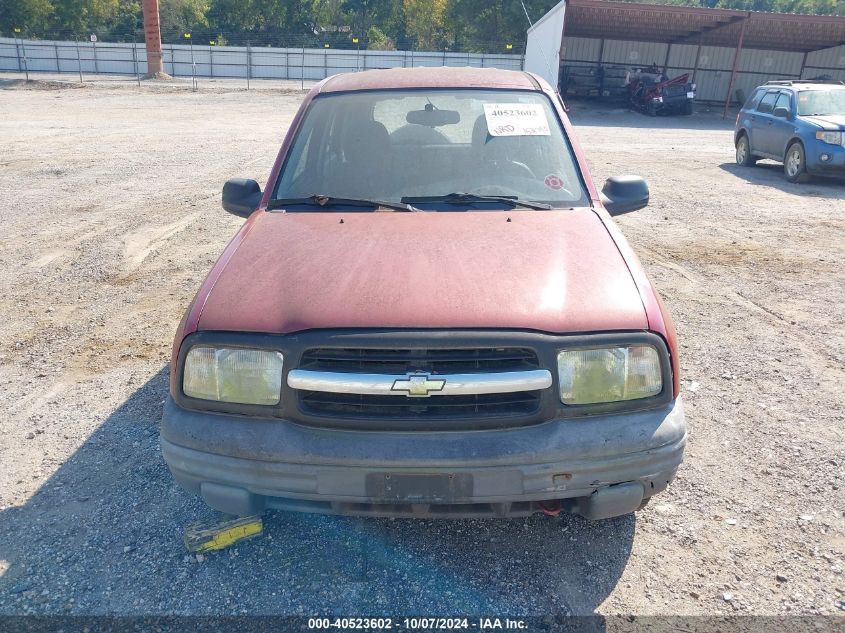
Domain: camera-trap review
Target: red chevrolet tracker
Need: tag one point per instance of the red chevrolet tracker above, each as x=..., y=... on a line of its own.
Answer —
x=428, y=313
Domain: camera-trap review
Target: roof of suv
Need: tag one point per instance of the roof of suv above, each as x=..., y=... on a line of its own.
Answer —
x=804, y=85
x=439, y=77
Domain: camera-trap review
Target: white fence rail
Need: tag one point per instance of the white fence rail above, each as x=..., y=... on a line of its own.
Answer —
x=225, y=61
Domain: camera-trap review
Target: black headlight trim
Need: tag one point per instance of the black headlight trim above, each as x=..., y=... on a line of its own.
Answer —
x=293, y=346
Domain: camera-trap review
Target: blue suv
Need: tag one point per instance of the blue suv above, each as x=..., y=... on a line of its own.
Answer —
x=799, y=123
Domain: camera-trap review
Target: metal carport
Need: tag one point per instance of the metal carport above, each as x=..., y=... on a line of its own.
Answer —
x=724, y=49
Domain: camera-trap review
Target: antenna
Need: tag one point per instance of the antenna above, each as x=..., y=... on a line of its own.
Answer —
x=542, y=52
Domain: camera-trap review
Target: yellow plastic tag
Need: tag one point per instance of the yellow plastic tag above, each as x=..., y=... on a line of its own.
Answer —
x=210, y=537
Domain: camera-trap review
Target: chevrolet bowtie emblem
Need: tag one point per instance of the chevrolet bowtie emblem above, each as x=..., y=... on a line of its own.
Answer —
x=418, y=385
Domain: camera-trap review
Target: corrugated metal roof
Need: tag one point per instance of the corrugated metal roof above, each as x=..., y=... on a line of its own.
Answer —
x=716, y=27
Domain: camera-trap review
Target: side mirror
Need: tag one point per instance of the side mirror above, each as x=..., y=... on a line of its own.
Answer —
x=781, y=113
x=623, y=194
x=241, y=196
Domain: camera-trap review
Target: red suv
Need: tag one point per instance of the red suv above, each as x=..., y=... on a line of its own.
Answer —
x=429, y=312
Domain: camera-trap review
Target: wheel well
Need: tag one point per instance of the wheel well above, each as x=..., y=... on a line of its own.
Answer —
x=791, y=142
x=740, y=133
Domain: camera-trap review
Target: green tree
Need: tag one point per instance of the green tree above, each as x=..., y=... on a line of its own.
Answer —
x=472, y=25
x=480, y=23
x=425, y=21
x=247, y=15
x=85, y=16
x=378, y=41
x=31, y=16
x=182, y=15
x=363, y=14
x=128, y=22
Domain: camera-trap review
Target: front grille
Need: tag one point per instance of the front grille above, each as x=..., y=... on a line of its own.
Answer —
x=435, y=361
x=487, y=405
x=432, y=361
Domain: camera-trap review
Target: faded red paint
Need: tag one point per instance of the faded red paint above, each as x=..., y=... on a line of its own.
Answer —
x=403, y=78
x=558, y=271
x=417, y=270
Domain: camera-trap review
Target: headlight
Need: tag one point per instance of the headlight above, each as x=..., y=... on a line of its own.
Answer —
x=834, y=138
x=609, y=374
x=244, y=376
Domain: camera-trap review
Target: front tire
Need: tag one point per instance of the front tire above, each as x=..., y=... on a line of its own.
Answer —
x=743, y=153
x=795, y=163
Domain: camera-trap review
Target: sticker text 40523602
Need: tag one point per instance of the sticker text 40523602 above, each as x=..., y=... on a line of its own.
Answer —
x=516, y=119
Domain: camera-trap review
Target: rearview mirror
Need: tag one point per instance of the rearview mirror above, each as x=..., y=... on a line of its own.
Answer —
x=623, y=194
x=241, y=196
x=782, y=113
x=432, y=117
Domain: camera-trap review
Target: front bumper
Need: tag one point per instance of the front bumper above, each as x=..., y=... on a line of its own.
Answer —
x=833, y=166
x=598, y=466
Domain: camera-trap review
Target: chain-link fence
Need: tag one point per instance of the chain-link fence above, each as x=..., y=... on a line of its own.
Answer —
x=195, y=58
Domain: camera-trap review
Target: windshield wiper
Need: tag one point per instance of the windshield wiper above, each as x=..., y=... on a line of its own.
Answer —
x=318, y=200
x=463, y=198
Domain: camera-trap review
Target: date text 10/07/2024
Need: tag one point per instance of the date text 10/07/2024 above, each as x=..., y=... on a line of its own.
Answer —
x=418, y=623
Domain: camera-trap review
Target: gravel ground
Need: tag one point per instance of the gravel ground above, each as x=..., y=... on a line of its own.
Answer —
x=111, y=219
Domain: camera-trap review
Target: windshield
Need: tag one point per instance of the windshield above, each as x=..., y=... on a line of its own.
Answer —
x=395, y=145
x=821, y=102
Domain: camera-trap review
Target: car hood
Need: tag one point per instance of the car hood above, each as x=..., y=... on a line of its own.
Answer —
x=828, y=121
x=555, y=271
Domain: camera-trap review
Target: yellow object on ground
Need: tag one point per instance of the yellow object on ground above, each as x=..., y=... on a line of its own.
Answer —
x=206, y=537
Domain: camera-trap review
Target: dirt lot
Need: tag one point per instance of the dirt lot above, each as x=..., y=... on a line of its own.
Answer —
x=110, y=215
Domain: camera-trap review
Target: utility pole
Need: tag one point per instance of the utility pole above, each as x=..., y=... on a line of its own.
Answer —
x=152, y=37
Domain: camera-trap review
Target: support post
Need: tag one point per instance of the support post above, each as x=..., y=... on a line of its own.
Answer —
x=737, y=54
x=78, y=60
x=193, y=64
x=135, y=59
x=25, y=60
x=56, y=53
x=666, y=59
x=302, y=72
x=18, y=53
x=94, y=55
x=803, y=65
x=697, y=58
x=152, y=37
x=248, y=64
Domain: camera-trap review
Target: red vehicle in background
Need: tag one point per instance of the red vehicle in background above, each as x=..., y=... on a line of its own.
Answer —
x=652, y=92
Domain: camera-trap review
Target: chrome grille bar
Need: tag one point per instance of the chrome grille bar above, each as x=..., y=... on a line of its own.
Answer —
x=419, y=384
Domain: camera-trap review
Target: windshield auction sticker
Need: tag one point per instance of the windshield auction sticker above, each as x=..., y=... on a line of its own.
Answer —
x=516, y=119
